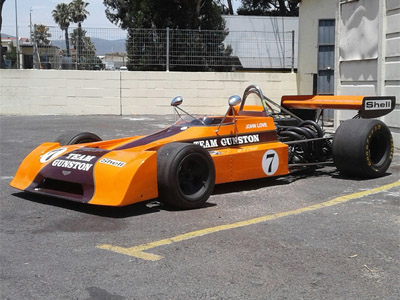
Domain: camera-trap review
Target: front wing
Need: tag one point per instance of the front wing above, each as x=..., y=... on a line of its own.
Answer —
x=89, y=175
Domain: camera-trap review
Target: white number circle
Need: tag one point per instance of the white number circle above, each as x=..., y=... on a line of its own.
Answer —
x=270, y=162
x=52, y=154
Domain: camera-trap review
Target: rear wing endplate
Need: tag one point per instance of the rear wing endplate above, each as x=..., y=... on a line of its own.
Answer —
x=368, y=107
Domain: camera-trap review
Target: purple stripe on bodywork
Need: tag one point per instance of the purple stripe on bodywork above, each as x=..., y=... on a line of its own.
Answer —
x=236, y=140
x=152, y=137
x=232, y=140
x=69, y=176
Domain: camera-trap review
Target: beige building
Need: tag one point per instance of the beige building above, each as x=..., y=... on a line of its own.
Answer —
x=351, y=47
x=114, y=61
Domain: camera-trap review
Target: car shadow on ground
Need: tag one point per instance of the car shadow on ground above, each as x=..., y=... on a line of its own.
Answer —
x=256, y=184
x=154, y=206
x=132, y=210
x=136, y=209
x=346, y=177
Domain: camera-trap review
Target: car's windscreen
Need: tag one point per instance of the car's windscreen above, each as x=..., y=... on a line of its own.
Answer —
x=187, y=120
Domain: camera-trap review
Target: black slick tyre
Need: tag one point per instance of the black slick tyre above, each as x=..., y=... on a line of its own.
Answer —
x=73, y=138
x=362, y=148
x=185, y=174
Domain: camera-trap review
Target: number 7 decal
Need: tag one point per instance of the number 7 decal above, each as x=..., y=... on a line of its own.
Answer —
x=271, y=158
x=52, y=154
x=270, y=162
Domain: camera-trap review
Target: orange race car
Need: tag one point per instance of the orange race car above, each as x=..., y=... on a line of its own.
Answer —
x=181, y=164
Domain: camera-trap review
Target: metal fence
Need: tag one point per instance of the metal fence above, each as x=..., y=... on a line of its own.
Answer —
x=158, y=49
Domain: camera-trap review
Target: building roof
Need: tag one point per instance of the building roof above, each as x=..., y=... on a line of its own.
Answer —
x=262, y=42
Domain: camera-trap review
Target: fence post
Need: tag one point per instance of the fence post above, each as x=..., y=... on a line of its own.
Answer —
x=167, y=52
x=292, y=51
x=16, y=35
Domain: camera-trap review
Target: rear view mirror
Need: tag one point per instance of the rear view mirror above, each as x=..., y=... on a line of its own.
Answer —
x=177, y=101
x=234, y=100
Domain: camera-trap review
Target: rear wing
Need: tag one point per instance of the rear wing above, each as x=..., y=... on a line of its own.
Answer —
x=368, y=107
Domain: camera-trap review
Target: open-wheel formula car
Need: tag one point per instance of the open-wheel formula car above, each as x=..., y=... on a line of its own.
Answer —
x=181, y=164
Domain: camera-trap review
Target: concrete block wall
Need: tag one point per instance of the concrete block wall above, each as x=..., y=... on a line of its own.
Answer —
x=54, y=92
x=70, y=92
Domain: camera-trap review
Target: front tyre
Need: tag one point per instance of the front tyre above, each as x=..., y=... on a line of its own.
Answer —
x=185, y=174
x=73, y=138
x=363, y=148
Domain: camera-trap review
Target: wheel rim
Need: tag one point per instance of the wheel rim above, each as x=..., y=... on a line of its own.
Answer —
x=193, y=173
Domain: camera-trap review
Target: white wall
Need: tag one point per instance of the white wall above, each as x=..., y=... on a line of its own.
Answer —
x=367, y=58
x=70, y=92
x=369, y=54
x=311, y=11
x=44, y=92
x=358, y=47
x=391, y=67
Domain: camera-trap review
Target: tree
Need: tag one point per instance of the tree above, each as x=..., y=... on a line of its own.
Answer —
x=88, y=58
x=41, y=35
x=87, y=44
x=78, y=15
x=269, y=7
x=12, y=56
x=78, y=11
x=230, y=7
x=183, y=14
x=155, y=16
x=62, y=16
x=1, y=11
x=1, y=47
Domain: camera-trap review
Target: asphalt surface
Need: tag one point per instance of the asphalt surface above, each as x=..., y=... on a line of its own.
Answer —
x=294, y=237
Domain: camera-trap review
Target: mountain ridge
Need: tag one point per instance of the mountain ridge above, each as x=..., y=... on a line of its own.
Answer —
x=102, y=46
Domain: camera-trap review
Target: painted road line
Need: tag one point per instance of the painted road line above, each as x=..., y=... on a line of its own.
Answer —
x=138, y=251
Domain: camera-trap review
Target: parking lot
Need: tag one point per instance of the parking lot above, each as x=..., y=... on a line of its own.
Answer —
x=310, y=235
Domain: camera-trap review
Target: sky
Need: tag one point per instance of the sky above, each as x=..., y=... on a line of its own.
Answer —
x=41, y=14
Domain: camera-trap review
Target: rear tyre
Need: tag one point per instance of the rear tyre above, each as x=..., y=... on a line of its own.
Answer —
x=186, y=175
x=363, y=148
x=73, y=138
